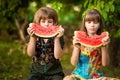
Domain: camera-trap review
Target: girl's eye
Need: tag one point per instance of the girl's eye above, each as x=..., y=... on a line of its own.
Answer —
x=95, y=22
x=43, y=21
x=50, y=21
x=88, y=21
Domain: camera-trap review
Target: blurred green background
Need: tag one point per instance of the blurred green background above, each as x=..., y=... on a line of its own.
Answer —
x=15, y=16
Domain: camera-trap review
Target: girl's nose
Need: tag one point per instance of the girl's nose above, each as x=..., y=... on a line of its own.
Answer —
x=46, y=23
x=92, y=24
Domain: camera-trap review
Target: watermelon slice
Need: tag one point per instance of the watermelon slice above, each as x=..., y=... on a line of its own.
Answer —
x=90, y=42
x=45, y=32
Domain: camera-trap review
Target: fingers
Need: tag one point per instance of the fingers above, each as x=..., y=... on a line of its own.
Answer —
x=30, y=25
x=60, y=32
x=106, y=40
x=75, y=38
x=60, y=26
x=30, y=30
x=75, y=41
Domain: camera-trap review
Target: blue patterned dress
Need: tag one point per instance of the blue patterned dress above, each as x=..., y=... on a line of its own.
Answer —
x=89, y=63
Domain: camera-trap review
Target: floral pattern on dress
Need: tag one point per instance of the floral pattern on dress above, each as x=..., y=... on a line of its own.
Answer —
x=45, y=51
x=89, y=63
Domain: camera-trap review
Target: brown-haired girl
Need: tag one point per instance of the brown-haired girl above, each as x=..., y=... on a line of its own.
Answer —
x=45, y=52
x=88, y=65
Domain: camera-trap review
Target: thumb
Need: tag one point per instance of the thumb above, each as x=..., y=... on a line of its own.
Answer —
x=30, y=25
x=60, y=26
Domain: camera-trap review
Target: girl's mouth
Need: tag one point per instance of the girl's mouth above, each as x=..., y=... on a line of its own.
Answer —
x=92, y=29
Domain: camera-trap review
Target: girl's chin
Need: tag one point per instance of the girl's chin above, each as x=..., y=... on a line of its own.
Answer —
x=92, y=32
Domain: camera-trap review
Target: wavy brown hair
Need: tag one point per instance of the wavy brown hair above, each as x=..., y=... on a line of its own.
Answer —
x=93, y=15
x=45, y=13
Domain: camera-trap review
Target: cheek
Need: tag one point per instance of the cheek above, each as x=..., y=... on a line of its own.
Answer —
x=97, y=26
x=42, y=24
x=87, y=25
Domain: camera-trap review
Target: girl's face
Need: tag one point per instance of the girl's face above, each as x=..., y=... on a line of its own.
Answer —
x=92, y=27
x=46, y=22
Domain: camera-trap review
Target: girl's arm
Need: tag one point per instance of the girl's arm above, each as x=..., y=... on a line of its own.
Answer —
x=105, y=56
x=32, y=43
x=31, y=46
x=76, y=51
x=57, y=46
x=75, y=55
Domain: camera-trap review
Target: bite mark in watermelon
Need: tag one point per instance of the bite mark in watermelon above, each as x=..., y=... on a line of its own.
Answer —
x=90, y=42
x=45, y=32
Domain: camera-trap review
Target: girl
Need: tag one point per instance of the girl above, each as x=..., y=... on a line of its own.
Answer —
x=45, y=52
x=92, y=24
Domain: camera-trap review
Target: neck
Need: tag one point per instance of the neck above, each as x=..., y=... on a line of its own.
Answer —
x=45, y=40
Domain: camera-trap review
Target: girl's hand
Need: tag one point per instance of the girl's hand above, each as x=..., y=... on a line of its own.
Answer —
x=60, y=32
x=76, y=42
x=106, y=41
x=30, y=31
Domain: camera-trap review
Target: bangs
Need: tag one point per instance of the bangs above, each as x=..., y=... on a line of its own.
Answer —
x=92, y=17
x=45, y=13
x=46, y=16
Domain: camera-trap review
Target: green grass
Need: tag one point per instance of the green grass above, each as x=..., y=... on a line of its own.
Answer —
x=14, y=63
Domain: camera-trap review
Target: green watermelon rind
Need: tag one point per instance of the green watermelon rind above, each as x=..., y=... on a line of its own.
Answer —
x=44, y=36
x=89, y=45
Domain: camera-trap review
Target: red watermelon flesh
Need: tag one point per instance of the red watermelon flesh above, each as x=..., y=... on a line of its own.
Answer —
x=90, y=42
x=46, y=32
